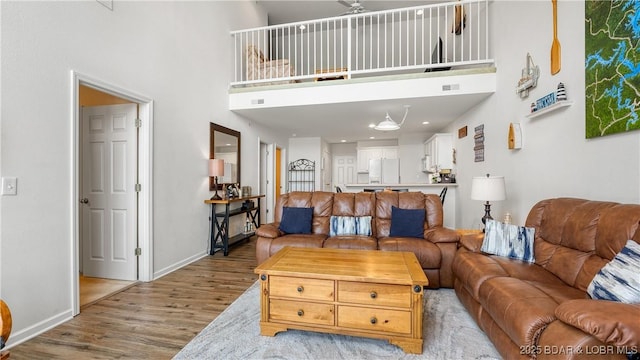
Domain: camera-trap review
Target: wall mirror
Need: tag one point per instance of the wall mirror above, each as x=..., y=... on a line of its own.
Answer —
x=224, y=143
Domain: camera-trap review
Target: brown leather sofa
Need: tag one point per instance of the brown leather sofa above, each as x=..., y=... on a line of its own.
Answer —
x=542, y=310
x=434, y=252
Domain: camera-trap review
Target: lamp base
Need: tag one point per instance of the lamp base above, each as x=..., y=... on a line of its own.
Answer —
x=216, y=196
x=487, y=215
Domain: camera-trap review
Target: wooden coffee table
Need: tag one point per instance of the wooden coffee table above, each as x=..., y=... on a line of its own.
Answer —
x=369, y=293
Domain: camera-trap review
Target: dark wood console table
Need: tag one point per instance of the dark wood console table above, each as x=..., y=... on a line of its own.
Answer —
x=219, y=233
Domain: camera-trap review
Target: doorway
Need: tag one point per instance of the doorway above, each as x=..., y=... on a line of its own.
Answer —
x=278, y=173
x=111, y=189
x=272, y=169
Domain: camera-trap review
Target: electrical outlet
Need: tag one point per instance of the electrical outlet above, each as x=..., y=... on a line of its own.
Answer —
x=9, y=185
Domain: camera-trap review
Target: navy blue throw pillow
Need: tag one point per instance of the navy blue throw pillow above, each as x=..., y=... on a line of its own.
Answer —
x=296, y=220
x=407, y=222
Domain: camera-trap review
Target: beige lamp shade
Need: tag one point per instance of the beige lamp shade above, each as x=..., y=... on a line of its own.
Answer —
x=216, y=167
x=488, y=188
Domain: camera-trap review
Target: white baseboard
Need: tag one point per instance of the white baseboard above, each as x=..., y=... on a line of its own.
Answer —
x=37, y=329
x=47, y=324
x=173, y=267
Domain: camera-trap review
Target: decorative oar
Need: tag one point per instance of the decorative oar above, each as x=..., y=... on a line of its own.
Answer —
x=555, y=46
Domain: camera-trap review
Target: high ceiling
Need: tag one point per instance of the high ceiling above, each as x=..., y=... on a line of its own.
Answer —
x=287, y=11
x=348, y=121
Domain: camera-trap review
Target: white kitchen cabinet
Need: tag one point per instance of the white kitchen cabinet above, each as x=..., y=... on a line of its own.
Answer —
x=366, y=154
x=438, y=152
x=370, y=153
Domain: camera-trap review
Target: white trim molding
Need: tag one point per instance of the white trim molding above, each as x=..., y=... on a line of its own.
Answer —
x=145, y=204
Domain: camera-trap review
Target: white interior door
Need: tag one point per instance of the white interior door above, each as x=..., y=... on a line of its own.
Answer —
x=344, y=170
x=270, y=198
x=108, y=195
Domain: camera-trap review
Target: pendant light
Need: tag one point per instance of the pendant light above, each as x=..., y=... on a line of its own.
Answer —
x=389, y=125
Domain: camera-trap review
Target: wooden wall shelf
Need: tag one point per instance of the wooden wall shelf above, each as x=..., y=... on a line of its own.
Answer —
x=556, y=106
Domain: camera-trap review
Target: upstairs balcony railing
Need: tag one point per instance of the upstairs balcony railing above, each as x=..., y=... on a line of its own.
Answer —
x=416, y=39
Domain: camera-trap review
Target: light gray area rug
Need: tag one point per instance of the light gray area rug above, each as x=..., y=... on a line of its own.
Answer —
x=449, y=333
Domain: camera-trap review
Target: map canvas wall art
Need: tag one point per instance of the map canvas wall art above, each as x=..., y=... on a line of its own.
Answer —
x=612, y=66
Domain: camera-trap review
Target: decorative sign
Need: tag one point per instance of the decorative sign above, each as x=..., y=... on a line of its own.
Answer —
x=528, y=79
x=545, y=101
x=553, y=98
x=479, y=143
x=462, y=132
x=515, y=136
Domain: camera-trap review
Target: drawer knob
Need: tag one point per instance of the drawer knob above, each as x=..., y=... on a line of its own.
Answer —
x=263, y=277
x=417, y=288
x=300, y=288
x=373, y=320
x=300, y=312
x=373, y=295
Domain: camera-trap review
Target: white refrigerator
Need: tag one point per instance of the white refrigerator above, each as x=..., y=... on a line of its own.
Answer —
x=384, y=171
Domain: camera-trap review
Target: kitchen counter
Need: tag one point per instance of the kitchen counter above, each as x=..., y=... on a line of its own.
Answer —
x=449, y=206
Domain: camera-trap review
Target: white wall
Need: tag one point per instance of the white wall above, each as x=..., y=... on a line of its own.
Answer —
x=172, y=52
x=339, y=149
x=556, y=160
x=411, y=152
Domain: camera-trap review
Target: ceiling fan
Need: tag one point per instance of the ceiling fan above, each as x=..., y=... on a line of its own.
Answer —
x=355, y=7
x=388, y=124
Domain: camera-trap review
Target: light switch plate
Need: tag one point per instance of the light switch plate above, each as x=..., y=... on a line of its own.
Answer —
x=9, y=185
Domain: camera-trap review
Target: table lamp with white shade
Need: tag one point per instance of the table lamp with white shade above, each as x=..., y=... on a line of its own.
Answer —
x=216, y=168
x=488, y=188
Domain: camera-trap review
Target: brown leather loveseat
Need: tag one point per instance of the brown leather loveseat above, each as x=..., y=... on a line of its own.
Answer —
x=435, y=250
x=542, y=310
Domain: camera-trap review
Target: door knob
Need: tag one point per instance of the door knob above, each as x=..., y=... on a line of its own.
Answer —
x=84, y=201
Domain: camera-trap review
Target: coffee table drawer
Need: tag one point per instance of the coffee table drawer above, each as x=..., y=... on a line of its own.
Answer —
x=374, y=294
x=380, y=320
x=301, y=288
x=301, y=312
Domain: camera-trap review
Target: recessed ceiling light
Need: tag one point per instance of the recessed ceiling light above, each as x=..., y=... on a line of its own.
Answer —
x=372, y=125
x=425, y=123
x=343, y=140
x=372, y=137
x=294, y=135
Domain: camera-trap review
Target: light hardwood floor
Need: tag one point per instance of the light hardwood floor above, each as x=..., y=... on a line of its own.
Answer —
x=150, y=320
x=95, y=289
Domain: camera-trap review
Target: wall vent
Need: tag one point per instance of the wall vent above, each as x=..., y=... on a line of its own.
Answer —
x=450, y=87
